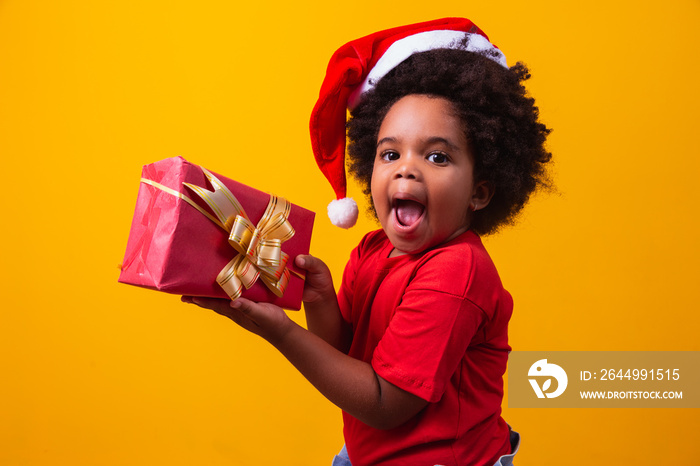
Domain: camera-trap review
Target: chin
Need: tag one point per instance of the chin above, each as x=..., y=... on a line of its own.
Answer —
x=408, y=247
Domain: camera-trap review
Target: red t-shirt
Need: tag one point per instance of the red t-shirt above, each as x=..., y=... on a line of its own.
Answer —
x=436, y=325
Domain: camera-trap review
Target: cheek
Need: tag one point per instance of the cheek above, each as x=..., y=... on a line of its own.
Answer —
x=375, y=184
x=377, y=198
x=380, y=199
x=454, y=203
x=373, y=190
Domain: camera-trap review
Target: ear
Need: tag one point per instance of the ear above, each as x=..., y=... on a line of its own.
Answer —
x=481, y=195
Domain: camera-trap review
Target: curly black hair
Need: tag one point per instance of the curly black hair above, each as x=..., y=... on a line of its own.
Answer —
x=500, y=120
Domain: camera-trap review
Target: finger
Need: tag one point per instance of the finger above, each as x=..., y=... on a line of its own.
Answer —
x=243, y=305
x=264, y=319
x=252, y=310
x=218, y=305
x=301, y=260
x=242, y=319
x=311, y=264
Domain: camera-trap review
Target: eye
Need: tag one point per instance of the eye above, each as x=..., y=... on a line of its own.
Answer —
x=389, y=155
x=438, y=158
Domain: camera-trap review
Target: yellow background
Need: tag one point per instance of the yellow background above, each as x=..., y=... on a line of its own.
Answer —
x=98, y=373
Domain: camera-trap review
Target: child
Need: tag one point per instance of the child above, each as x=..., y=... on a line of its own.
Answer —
x=414, y=346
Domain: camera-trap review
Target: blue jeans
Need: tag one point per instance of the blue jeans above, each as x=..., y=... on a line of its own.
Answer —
x=507, y=460
x=341, y=459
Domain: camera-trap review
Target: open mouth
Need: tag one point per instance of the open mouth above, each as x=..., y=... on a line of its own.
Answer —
x=408, y=212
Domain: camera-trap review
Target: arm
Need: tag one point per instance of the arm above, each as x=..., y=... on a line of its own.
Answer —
x=350, y=384
x=323, y=317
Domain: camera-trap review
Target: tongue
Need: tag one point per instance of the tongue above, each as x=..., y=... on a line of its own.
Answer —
x=408, y=212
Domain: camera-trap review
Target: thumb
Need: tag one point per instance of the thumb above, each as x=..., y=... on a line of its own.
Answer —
x=310, y=263
x=243, y=305
x=243, y=313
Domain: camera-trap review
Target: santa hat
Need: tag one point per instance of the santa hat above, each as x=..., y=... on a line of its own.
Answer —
x=354, y=69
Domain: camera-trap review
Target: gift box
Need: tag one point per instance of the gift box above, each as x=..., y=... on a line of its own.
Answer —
x=198, y=233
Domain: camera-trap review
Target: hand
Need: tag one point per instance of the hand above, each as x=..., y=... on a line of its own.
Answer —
x=263, y=319
x=318, y=285
x=321, y=304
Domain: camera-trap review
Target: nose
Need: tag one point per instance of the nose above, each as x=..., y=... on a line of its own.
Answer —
x=407, y=167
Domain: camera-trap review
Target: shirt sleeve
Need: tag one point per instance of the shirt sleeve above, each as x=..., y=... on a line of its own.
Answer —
x=428, y=335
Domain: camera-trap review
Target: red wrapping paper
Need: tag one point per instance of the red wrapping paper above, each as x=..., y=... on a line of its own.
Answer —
x=174, y=248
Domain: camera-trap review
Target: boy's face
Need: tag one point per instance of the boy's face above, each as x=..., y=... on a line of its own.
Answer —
x=423, y=180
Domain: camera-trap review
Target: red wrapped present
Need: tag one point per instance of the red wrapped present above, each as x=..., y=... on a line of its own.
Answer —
x=198, y=233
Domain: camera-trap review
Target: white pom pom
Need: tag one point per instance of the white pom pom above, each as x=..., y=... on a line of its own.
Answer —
x=343, y=212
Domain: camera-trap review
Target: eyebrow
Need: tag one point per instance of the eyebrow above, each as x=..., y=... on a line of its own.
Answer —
x=429, y=141
x=385, y=140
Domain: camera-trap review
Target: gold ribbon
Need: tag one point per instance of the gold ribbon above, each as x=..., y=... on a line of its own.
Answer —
x=259, y=246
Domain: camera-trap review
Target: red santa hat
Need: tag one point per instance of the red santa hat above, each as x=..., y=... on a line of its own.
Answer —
x=354, y=69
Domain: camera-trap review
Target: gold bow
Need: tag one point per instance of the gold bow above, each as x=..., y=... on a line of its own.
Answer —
x=259, y=247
